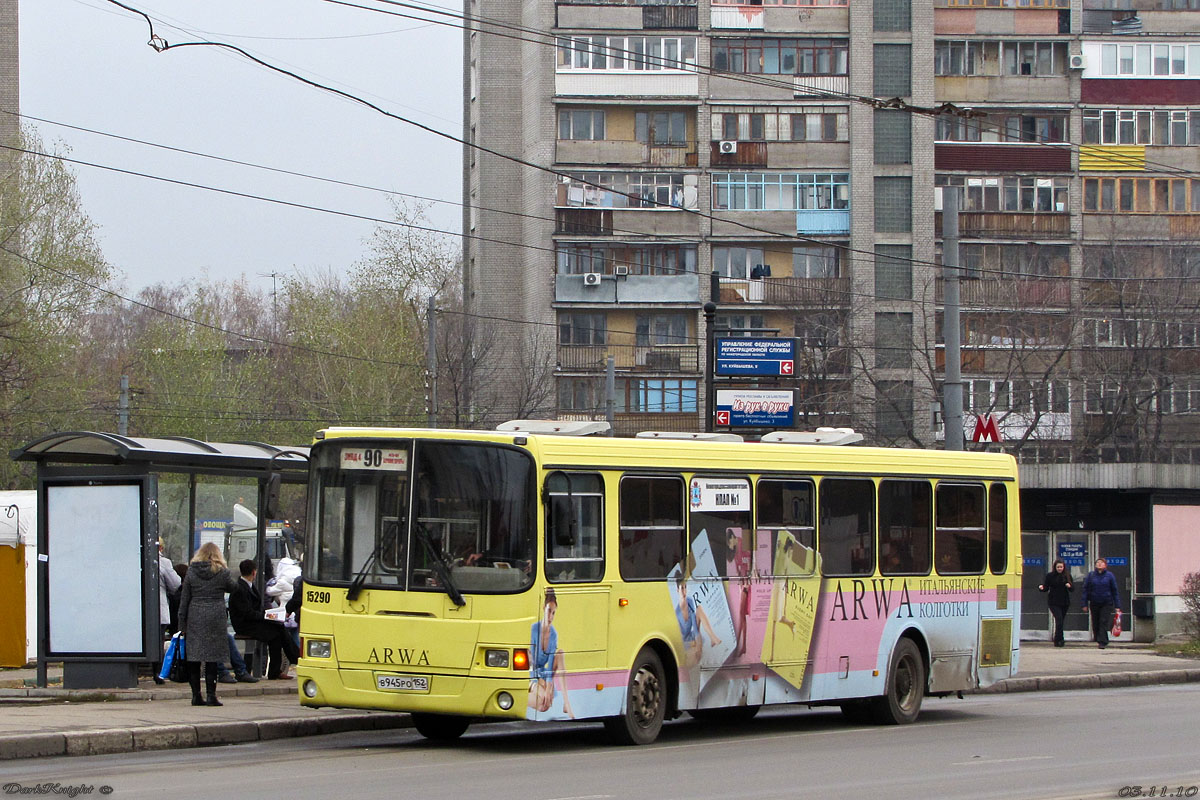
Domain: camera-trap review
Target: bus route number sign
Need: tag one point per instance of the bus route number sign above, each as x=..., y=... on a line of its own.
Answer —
x=402, y=683
x=382, y=458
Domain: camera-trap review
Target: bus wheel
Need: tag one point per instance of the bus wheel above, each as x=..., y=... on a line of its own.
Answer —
x=645, y=703
x=440, y=727
x=905, y=687
x=725, y=716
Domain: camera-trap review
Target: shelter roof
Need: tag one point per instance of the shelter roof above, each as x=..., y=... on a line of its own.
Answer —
x=168, y=453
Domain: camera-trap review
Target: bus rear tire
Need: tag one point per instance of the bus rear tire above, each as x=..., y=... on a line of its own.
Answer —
x=440, y=727
x=645, y=703
x=732, y=715
x=901, y=704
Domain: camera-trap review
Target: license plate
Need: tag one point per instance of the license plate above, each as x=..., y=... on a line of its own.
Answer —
x=402, y=683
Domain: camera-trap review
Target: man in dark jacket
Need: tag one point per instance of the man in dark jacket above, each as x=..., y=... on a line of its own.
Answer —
x=1101, y=596
x=246, y=614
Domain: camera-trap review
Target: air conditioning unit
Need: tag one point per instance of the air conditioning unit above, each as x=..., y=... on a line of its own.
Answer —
x=1078, y=61
x=621, y=271
x=591, y=279
x=727, y=148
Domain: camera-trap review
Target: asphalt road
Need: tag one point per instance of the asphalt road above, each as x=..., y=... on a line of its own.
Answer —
x=1077, y=744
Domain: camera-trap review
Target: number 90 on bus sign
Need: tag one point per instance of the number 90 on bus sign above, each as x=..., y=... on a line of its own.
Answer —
x=381, y=458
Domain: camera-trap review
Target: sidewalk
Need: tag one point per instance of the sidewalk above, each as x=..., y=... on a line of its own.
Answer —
x=54, y=722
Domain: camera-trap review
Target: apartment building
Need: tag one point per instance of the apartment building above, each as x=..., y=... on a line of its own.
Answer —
x=800, y=151
x=9, y=71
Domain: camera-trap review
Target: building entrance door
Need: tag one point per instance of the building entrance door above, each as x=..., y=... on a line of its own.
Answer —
x=1078, y=550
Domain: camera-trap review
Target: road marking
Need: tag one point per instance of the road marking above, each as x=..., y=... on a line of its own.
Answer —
x=973, y=762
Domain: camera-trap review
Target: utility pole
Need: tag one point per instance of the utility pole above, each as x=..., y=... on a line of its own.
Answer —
x=431, y=358
x=123, y=407
x=952, y=389
x=610, y=392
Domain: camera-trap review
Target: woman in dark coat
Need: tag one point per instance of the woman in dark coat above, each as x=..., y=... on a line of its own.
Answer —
x=203, y=620
x=1058, y=584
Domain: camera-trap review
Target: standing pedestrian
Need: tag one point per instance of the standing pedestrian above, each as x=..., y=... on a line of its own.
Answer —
x=168, y=588
x=202, y=619
x=1059, y=586
x=1101, y=596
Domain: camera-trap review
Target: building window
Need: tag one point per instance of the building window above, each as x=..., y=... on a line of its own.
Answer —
x=737, y=262
x=665, y=328
x=627, y=53
x=893, y=15
x=893, y=205
x=740, y=325
x=625, y=190
x=1141, y=195
x=581, y=124
x=1037, y=59
x=893, y=137
x=1149, y=60
x=893, y=70
x=577, y=258
x=893, y=410
x=893, y=272
x=982, y=58
x=659, y=396
x=1001, y=127
x=781, y=56
x=1164, y=127
x=758, y=191
x=1009, y=193
x=816, y=261
x=781, y=123
x=893, y=341
x=661, y=127
x=577, y=327
x=582, y=395
x=1009, y=261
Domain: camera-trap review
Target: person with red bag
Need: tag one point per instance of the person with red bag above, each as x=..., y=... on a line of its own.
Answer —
x=1101, y=597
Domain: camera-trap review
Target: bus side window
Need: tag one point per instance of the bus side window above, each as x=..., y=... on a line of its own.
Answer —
x=846, y=533
x=998, y=528
x=905, y=527
x=959, y=546
x=783, y=506
x=652, y=526
x=574, y=527
x=726, y=523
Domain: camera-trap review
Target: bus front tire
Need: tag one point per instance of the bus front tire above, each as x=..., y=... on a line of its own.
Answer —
x=901, y=703
x=440, y=727
x=645, y=702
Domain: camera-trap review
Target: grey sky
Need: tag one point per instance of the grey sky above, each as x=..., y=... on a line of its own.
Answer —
x=86, y=63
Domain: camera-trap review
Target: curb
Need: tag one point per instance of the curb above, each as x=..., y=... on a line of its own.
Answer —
x=1106, y=680
x=33, y=695
x=204, y=734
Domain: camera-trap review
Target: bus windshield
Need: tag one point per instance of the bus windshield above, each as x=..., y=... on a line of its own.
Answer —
x=423, y=516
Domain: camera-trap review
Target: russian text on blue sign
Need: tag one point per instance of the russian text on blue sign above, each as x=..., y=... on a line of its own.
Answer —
x=753, y=356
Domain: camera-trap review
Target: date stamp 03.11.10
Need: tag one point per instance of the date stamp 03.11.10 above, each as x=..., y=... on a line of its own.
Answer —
x=1163, y=790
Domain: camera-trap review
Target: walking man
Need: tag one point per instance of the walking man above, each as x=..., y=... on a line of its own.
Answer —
x=1101, y=597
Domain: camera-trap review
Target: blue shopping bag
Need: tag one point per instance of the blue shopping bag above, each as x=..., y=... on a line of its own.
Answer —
x=173, y=660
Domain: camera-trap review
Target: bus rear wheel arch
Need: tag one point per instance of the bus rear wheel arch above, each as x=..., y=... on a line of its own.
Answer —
x=900, y=703
x=646, y=701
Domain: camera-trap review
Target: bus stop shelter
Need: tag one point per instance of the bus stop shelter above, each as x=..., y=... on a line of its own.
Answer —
x=103, y=502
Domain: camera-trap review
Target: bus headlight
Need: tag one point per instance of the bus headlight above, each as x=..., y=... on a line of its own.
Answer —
x=504, y=700
x=496, y=658
x=318, y=648
x=310, y=689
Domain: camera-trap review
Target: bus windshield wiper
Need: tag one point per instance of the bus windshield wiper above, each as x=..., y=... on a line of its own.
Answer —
x=360, y=577
x=439, y=566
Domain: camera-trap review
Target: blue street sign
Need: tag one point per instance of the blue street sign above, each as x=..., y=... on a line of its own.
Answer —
x=756, y=357
x=747, y=407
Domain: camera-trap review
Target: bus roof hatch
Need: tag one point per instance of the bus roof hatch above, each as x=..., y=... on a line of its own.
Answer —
x=819, y=436
x=554, y=426
x=706, y=437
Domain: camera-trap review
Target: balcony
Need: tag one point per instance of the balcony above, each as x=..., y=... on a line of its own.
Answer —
x=659, y=359
x=822, y=221
x=619, y=151
x=1154, y=293
x=583, y=222
x=808, y=292
x=1001, y=225
x=679, y=288
x=1035, y=293
x=743, y=154
x=622, y=15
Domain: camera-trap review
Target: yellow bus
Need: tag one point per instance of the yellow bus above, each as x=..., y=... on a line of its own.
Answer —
x=524, y=575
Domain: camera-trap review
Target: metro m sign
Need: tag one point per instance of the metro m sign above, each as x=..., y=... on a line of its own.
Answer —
x=986, y=429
